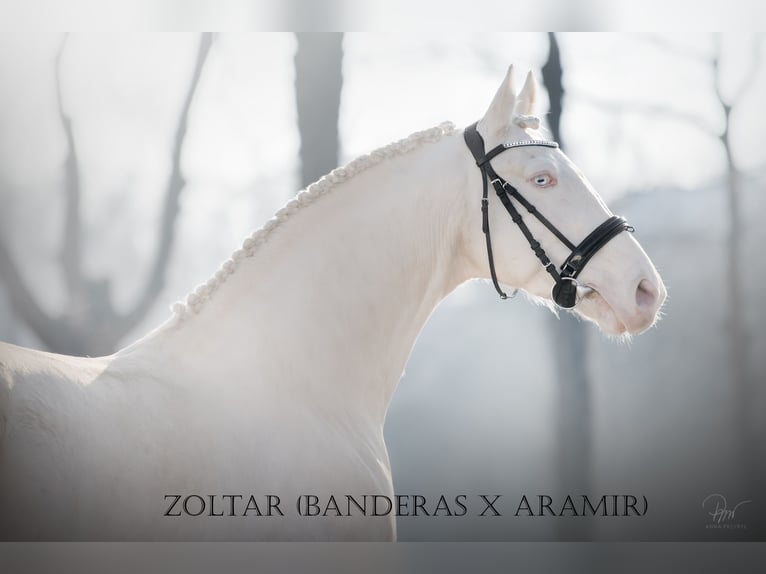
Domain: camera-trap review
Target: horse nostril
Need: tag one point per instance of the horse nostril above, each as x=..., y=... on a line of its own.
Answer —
x=646, y=294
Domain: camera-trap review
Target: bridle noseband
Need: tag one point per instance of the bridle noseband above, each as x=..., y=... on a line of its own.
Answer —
x=564, y=291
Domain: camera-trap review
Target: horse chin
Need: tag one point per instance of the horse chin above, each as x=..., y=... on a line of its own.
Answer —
x=594, y=307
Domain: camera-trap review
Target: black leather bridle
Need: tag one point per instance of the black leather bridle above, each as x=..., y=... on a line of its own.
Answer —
x=564, y=291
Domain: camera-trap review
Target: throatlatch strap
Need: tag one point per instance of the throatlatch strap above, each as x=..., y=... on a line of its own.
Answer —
x=471, y=142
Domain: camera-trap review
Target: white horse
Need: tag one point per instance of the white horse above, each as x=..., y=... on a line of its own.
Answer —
x=274, y=377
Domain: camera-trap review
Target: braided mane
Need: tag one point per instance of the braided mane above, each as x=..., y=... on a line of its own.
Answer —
x=195, y=300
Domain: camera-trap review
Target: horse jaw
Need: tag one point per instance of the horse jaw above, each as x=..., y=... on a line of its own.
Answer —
x=593, y=307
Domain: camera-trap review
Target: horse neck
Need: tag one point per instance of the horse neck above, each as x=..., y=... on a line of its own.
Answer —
x=328, y=309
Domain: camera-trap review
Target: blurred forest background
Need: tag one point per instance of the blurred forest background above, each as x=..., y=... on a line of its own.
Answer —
x=132, y=166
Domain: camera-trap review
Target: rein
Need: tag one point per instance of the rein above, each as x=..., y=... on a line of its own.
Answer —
x=564, y=291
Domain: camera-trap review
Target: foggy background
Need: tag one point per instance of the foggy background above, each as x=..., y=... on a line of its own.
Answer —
x=132, y=165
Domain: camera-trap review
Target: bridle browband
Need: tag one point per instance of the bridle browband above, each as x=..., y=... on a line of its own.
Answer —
x=564, y=291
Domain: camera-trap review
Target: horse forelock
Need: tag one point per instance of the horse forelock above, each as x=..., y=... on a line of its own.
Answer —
x=194, y=302
x=526, y=121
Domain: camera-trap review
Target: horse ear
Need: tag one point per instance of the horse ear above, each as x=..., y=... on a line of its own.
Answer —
x=497, y=119
x=528, y=95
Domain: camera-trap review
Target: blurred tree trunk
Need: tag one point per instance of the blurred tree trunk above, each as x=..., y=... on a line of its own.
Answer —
x=552, y=80
x=318, y=85
x=91, y=325
x=744, y=379
x=570, y=342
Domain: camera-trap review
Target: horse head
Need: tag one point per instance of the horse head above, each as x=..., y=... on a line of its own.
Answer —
x=580, y=256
